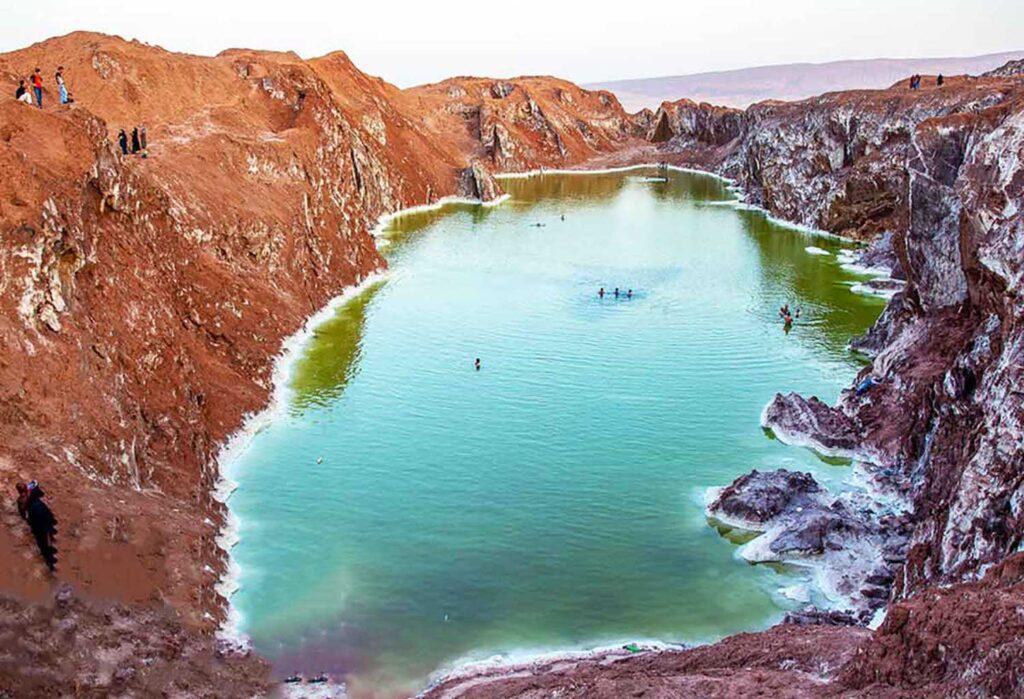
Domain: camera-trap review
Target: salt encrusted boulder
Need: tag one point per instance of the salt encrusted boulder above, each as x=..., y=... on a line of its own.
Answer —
x=810, y=422
x=851, y=548
x=757, y=498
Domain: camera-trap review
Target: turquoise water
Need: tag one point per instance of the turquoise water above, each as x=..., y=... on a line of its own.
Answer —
x=554, y=498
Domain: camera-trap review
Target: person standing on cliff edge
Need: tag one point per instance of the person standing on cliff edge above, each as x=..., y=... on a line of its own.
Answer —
x=43, y=524
x=37, y=87
x=61, y=87
x=122, y=140
x=136, y=147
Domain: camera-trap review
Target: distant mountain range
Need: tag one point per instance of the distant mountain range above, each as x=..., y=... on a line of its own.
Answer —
x=739, y=88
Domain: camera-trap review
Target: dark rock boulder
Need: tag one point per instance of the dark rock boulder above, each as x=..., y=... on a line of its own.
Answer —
x=810, y=422
x=757, y=497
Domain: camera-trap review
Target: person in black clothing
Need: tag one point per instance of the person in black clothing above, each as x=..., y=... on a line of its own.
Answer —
x=43, y=525
x=21, y=90
x=135, y=140
x=940, y=80
x=122, y=139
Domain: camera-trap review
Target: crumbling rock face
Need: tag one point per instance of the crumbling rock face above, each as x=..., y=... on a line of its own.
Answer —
x=527, y=123
x=836, y=162
x=1007, y=70
x=479, y=183
x=961, y=641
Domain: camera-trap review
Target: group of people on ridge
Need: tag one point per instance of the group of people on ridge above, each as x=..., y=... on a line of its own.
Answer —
x=24, y=94
x=915, y=81
x=40, y=520
x=30, y=91
x=138, y=141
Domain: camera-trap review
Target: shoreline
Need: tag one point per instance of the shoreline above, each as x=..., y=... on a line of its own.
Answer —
x=241, y=439
x=254, y=423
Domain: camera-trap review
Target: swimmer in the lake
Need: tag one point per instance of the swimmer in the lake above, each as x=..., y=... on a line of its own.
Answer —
x=616, y=292
x=629, y=294
x=600, y=293
x=476, y=364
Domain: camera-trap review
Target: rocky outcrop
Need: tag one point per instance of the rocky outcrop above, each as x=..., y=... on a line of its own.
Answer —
x=836, y=162
x=811, y=423
x=1007, y=70
x=851, y=550
x=527, y=123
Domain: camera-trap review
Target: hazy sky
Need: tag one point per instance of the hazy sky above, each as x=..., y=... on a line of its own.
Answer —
x=411, y=43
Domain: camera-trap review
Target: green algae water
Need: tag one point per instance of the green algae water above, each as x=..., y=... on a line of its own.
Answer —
x=405, y=512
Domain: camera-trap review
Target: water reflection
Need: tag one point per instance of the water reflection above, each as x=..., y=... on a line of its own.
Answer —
x=815, y=284
x=331, y=360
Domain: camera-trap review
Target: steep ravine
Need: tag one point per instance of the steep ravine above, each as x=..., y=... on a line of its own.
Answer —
x=142, y=303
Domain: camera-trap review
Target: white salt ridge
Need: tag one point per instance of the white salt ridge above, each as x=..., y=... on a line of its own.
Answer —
x=611, y=170
x=383, y=221
x=811, y=249
x=868, y=290
x=848, y=261
x=796, y=593
x=320, y=690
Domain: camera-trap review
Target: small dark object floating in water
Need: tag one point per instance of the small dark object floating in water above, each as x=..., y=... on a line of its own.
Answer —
x=293, y=679
x=632, y=648
x=319, y=679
